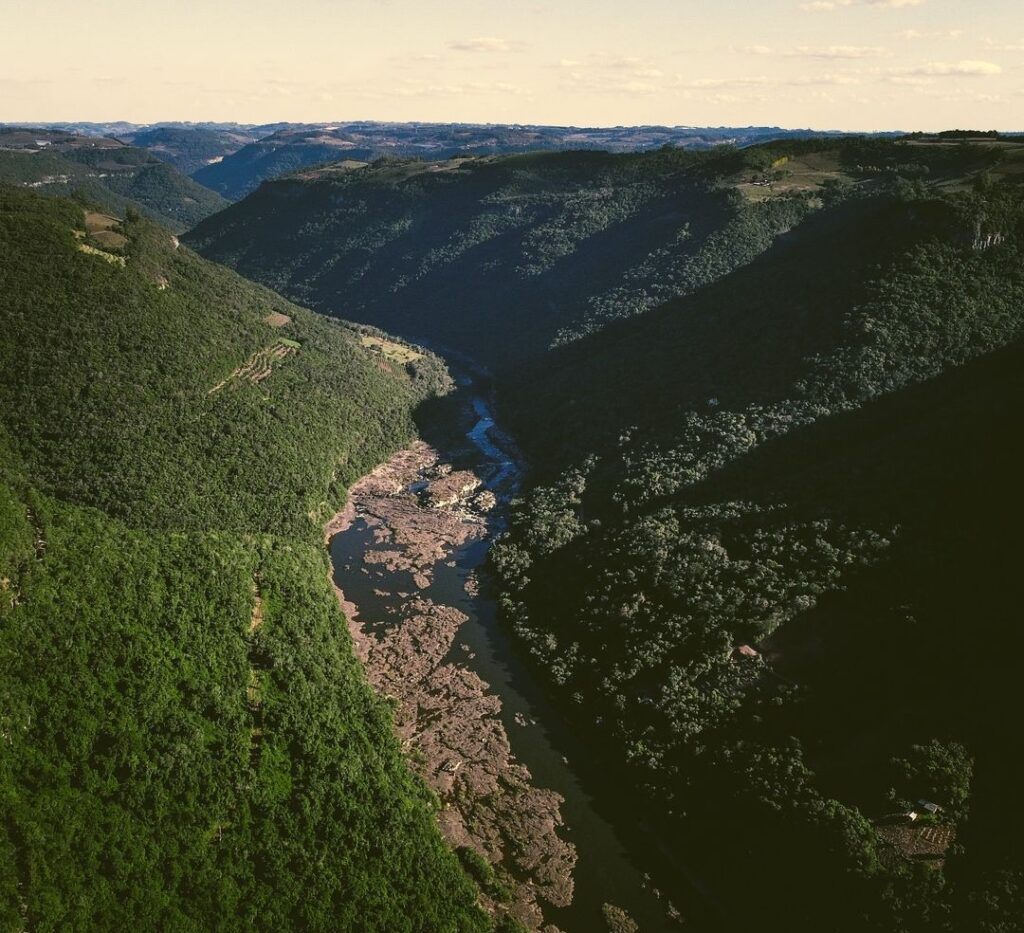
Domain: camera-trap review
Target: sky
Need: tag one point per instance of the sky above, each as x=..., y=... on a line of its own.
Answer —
x=824, y=64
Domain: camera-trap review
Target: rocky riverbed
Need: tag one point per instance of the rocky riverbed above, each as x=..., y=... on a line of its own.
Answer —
x=418, y=512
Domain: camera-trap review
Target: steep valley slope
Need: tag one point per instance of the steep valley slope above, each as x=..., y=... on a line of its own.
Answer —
x=186, y=738
x=106, y=173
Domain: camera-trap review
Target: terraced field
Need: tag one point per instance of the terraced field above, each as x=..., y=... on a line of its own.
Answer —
x=260, y=365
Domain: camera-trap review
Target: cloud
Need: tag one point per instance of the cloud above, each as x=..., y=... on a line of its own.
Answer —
x=831, y=79
x=925, y=74
x=625, y=74
x=840, y=79
x=1005, y=46
x=825, y=6
x=909, y=80
x=955, y=69
x=414, y=88
x=699, y=84
x=486, y=44
x=822, y=52
x=839, y=51
x=931, y=34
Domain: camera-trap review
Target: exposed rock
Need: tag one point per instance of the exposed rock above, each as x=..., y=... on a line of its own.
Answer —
x=451, y=489
x=485, y=501
x=444, y=713
x=617, y=920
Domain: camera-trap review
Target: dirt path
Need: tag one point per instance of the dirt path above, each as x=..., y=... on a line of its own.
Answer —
x=444, y=713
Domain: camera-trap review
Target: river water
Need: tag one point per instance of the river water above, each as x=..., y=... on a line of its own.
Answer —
x=605, y=872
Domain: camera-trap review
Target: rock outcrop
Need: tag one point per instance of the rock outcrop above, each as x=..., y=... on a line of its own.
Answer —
x=420, y=512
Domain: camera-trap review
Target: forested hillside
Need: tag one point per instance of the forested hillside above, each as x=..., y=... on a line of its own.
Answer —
x=765, y=552
x=105, y=173
x=777, y=564
x=187, y=740
x=190, y=148
x=498, y=257
x=297, y=146
x=504, y=257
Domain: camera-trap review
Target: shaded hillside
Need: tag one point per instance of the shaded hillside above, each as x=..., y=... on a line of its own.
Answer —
x=104, y=172
x=189, y=149
x=188, y=740
x=499, y=257
x=775, y=559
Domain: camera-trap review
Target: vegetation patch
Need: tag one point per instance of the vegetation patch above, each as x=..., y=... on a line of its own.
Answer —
x=397, y=352
x=148, y=780
x=260, y=365
x=113, y=259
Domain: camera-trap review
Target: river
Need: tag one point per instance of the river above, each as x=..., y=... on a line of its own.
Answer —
x=376, y=582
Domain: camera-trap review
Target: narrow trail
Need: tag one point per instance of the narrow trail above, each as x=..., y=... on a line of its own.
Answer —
x=253, y=689
x=39, y=535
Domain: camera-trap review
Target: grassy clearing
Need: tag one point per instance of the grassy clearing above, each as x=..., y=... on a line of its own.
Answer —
x=277, y=319
x=397, y=352
x=793, y=175
x=109, y=239
x=95, y=221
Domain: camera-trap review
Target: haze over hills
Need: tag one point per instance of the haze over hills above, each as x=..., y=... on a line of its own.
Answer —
x=190, y=148
x=764, y=552
x=297, y=147
x=234, y=159
x=106, y=172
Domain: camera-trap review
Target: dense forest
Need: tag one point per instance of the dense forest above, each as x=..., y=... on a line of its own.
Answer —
x=187, y=740
x=498, y=257
x=108, y=174
x=766, y=550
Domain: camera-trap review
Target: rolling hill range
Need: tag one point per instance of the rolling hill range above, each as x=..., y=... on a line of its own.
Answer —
x=106, y=172
x=533, y=244
x=295, y=147
x=764, y=554
x=187, y=739
x=190, y=148
x=537, y=250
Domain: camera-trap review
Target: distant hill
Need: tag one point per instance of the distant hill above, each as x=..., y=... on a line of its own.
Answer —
x=297, y=147
x=234, y=159
x=188, y=740
x=189, y=149
x=106, y=172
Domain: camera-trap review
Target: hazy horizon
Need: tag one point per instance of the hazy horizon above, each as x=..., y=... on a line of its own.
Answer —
x=854, y=65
